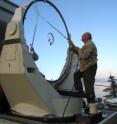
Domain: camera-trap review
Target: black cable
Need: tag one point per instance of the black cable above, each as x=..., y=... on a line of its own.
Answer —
x=69, y=96
x=67, y=102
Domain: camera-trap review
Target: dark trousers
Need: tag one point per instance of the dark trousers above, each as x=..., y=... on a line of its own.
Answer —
x=4, y=105
x=89, y=80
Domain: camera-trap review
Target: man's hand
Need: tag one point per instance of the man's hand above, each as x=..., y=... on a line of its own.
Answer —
x=73, y=48
x=71, y=45
x=71, y=42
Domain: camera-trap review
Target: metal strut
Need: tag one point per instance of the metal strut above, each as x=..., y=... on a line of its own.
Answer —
x=34, y=32
x=42, y=17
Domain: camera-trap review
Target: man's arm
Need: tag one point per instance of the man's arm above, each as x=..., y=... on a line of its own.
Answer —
x=73, y=48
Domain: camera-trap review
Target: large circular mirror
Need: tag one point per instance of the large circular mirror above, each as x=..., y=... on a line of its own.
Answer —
x=47, y=32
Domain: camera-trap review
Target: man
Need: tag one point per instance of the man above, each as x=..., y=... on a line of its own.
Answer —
x=88, y=65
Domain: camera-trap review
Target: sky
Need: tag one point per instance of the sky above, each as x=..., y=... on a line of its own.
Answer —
x=99, y=17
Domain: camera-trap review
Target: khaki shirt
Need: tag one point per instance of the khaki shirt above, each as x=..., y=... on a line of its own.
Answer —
x=87, y=55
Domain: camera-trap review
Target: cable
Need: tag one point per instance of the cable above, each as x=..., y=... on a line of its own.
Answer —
x=67, y=103
x=70, y=96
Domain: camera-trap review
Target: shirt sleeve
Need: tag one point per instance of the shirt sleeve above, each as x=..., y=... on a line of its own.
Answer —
x=75, y=49
x=85, y=51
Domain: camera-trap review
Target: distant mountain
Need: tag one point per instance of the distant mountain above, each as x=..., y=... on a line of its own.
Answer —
x=101, y=80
